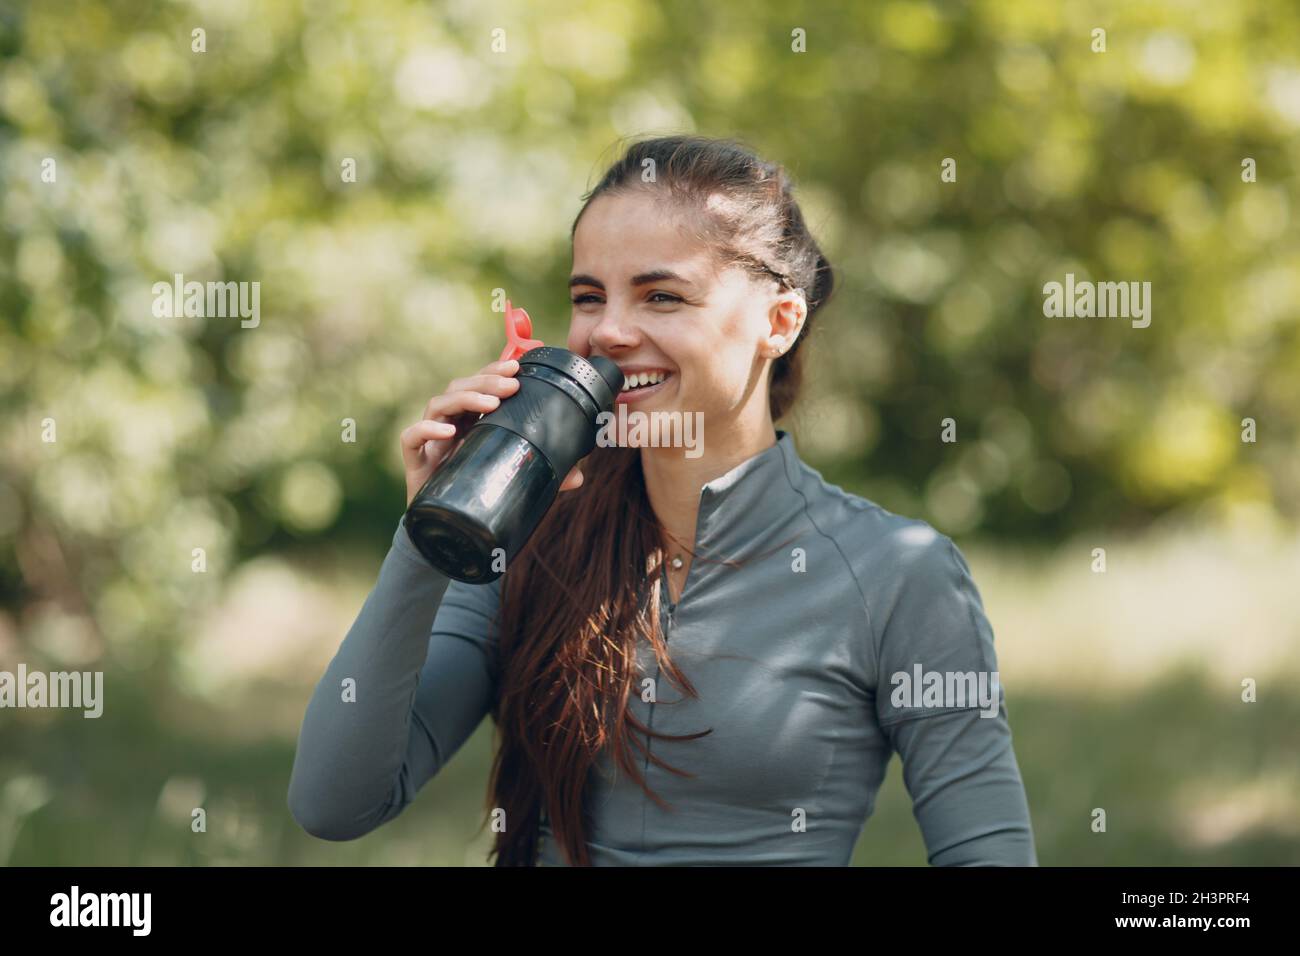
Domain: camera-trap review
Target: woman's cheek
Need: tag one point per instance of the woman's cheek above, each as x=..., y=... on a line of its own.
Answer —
x=703, y=391
x=578, y=335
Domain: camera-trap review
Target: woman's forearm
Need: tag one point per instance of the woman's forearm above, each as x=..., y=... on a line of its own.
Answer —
x=351, y=772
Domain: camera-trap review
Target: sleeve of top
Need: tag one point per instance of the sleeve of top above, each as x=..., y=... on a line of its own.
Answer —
x=411, y=681
x=958, y=763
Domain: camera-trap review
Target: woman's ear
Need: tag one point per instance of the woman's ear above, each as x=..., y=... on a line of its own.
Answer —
x=787, y=316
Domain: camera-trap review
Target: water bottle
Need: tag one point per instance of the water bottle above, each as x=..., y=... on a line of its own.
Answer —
x=481, y=505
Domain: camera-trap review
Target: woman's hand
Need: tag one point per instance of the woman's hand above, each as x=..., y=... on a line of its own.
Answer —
x=447, y=418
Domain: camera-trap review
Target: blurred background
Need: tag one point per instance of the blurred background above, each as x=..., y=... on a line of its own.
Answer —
x=1124, y=687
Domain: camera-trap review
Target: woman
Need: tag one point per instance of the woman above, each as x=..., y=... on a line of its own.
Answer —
x=798, y=614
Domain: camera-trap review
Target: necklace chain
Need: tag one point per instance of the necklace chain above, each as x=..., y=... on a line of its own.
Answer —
x=674, y=565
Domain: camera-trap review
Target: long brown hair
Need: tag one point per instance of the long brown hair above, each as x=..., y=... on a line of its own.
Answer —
x=585, y=591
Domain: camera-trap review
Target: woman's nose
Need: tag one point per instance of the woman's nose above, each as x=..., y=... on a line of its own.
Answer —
x=614, y=330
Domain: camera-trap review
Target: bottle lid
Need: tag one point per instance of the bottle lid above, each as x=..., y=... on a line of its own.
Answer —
x=519, y=331
x=600, y=378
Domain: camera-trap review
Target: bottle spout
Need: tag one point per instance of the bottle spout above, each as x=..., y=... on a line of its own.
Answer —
x=519, y=331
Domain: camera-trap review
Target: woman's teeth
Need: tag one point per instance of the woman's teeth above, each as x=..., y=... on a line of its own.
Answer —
x=641, y=379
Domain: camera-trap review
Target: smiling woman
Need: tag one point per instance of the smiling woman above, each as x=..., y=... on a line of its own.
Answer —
x=791, y=604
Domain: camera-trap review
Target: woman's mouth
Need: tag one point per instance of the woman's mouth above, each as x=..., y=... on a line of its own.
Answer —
x=641, y=385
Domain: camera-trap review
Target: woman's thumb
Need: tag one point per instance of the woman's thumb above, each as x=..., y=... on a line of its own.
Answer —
x=572, y=480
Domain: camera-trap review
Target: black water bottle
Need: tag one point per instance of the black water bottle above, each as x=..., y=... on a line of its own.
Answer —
x=481, y=505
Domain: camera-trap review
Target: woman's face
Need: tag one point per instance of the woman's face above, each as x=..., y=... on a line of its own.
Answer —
x=651, y=297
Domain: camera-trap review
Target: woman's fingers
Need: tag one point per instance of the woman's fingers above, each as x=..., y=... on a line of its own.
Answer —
x=418, y=435
x=460, y=403
x=447, y=417
x=494, y=384
x=497, y=386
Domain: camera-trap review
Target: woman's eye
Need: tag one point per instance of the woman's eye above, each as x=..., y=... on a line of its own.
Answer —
x=658, y=298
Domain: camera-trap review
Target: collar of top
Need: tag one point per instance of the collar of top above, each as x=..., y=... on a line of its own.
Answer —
x=740, y=510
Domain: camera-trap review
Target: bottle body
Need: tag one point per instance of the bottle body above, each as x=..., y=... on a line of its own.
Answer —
x=477, y=510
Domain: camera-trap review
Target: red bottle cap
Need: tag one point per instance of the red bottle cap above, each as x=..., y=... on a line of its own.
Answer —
x=519, y=331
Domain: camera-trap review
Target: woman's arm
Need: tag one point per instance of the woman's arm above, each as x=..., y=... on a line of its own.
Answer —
x=955, y=742
x=967, y=795
x=411, y=681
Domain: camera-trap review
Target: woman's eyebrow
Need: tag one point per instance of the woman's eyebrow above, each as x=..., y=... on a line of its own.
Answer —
x=644, y=278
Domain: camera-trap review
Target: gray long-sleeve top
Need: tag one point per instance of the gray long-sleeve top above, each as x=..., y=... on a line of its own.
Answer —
x=846, y=633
